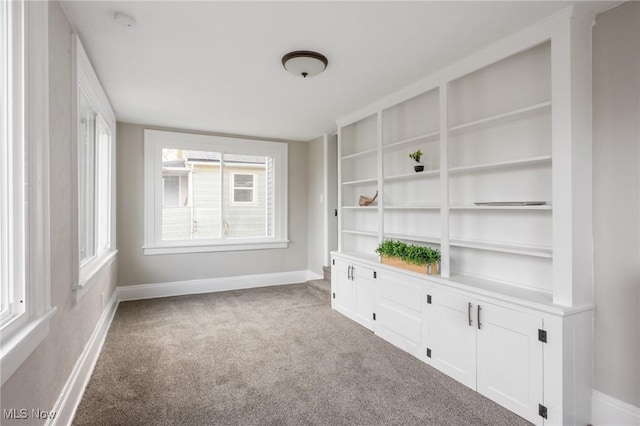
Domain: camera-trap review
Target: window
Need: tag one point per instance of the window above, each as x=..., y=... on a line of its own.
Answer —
x=25, y=308
x=94, y=178
x=211, y=193
x=243, y=188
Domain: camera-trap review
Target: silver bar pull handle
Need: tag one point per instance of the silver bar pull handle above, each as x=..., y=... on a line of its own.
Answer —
x=479, y=309
x=469, y=314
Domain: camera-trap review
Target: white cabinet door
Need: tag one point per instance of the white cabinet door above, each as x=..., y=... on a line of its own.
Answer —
x=453, y=336
x=398, y=311
x=343, y=288
x=509, y=359
x=364, y=288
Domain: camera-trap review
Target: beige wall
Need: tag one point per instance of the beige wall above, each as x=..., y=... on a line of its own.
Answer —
x=315, y=205
x=616, y=199
x=39, y=381
x=135, y=268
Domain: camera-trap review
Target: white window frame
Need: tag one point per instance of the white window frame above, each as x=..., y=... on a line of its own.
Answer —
x=27, y=134
x=156, y=140
x=86, y=82
x=253, y=201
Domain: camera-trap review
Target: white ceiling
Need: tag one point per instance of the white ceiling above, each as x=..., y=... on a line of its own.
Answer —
x=215, y=66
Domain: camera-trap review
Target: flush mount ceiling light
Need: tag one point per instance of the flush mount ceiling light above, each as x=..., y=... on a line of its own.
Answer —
x=304, y=63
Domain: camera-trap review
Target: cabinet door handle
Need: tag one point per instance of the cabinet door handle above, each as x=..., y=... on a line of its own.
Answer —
x=353, y=273
x=349, y=272
x=469, y=314
x=479, y=309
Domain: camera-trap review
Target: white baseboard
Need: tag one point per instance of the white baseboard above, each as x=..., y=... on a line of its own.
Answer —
x=313, y=276
x=211, y=285
x=609, y=411
x=68, y=401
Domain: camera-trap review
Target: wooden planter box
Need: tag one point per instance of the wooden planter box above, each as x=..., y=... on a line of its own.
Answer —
x=399, y=263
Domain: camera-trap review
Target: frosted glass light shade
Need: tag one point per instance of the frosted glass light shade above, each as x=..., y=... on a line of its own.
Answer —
x=304, y=63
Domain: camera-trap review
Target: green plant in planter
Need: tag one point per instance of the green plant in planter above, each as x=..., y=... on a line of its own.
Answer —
x=416, y=156
x=418, y=255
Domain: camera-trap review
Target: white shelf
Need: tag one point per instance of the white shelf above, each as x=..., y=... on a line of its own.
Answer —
x=370, y=208
x=414, y=237
x=356, y=182
x=360, y=154
x=428, y=137
x=413, y=207
x=501, y=164
x=474, y=207
x=521, y=249
x=414, y=175
x=356, y=232
x=502, y=118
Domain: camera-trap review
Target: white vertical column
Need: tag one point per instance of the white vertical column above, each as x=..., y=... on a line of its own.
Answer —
x=572, y=160
x=445, y=265
x=340, y=142
x=222, y=191
x=569, y=393
x=325, y=197
x=380, y=180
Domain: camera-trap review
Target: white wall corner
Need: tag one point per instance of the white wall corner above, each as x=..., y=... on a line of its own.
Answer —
x=313, y=276
x=211, y=285
x=69, y=399
x=609, y=411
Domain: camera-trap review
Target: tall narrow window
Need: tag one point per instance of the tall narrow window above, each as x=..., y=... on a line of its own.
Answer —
x=8, y=293
x=209, y=193
x=87, y=177
x=24, y=175
x=94, y=178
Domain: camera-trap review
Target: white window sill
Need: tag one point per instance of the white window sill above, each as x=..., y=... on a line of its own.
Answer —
x=15, y=350
x=90, y=273
x=228, y=245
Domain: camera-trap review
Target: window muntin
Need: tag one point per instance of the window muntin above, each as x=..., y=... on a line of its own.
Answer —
x=213, y=192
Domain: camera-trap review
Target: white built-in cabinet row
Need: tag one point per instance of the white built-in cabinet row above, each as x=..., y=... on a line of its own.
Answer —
x=499, y=347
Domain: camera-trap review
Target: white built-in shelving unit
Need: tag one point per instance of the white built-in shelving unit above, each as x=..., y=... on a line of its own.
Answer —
x=494, y=127
x=506, y=125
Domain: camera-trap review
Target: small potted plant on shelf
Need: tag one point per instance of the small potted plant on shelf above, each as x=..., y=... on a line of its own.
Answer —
x=416, y=156
x=412, y=257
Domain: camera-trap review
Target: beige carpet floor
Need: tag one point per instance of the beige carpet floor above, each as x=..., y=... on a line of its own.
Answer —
x=268, y=356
